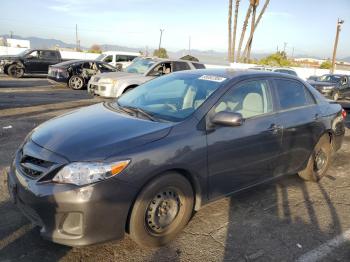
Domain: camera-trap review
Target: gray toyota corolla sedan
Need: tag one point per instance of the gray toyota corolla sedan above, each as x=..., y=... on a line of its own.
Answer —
x=144, y=163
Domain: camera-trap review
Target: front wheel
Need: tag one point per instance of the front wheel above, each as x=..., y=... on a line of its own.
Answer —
x=319, y=160
x=161, y=210
x=76, y=82
x=15, y=71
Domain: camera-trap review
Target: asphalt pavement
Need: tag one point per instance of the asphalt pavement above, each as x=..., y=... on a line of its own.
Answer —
x=286, y=220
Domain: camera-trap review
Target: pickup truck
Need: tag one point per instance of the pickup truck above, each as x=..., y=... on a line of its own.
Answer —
x=30, y=61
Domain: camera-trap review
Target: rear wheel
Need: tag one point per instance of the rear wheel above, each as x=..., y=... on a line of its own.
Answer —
x=15, y=71
x=76, y=82
x=319, y=160
x=161, y=210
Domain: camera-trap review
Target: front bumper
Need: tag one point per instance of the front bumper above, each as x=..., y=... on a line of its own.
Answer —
x=71, y=215
x=57, y=81
x=103, y=90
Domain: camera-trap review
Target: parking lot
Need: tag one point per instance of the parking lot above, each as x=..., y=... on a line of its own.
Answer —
x=283, y=221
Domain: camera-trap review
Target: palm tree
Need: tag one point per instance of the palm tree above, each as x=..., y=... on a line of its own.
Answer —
x=254, y=4
x=245, y=24
x=234, y=31
x=250, y=39
x=229, y=30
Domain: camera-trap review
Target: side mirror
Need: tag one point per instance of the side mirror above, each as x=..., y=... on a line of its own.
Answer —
x=225, y=118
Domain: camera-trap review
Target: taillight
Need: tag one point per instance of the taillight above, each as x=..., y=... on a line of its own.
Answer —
x=343, y=113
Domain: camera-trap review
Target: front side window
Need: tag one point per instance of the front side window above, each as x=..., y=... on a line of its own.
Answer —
x=108, y=59
x=173, y=97
x=292, y=94
x=251, y=99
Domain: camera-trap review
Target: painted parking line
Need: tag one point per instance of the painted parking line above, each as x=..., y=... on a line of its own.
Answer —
x=325, y=249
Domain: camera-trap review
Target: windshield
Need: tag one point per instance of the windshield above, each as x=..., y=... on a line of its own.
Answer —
x=100, y=57
x=173, y=97
x=140, y=66
x=330, y=78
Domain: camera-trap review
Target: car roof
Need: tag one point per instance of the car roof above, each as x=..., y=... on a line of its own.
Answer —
x=235, y=73
x=121, y=53
x=71, y=62
x=157, y=59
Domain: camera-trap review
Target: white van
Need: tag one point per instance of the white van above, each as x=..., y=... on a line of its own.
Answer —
x=116, y=58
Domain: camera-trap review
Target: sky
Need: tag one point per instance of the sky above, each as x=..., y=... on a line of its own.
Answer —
x=308, y=26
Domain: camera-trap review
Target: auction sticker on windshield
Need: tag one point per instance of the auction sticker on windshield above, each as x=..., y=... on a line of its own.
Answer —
x=212, y=78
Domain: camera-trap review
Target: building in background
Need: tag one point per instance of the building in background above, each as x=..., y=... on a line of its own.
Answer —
x=18, y=43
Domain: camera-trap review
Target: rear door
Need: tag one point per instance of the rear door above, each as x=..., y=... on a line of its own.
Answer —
x=300, y=115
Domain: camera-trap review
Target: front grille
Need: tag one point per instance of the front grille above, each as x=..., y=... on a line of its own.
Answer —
x=34, y=167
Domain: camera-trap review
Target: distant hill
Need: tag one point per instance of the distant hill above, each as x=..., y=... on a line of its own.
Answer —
x=206, y=56
x=37, y=42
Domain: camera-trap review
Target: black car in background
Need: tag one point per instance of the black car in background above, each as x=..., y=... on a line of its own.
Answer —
x=144, y=162
x=30, y=61
x=77, y=73
x=333, y=86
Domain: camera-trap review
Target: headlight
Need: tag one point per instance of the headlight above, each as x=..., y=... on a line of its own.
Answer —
x=84, y=173
x=327, y=87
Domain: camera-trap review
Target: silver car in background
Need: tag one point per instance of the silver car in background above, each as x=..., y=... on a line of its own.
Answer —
x=140, y=71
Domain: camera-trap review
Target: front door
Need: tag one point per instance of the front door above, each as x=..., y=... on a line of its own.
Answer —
x=242, y=156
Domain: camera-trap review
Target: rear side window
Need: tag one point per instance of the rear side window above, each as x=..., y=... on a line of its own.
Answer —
x=292, y=94
x=198, y=66
x=48, y=54
x=121, y=58
x=179, y=66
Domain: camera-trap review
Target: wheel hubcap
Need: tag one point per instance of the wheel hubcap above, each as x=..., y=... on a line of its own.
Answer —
x=162, y=211
x=320, y=160
x=76, y=82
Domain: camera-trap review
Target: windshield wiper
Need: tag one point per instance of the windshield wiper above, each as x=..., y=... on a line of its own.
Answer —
x=139, y=110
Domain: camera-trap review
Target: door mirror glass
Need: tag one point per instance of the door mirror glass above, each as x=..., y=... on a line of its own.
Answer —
x=225, y=118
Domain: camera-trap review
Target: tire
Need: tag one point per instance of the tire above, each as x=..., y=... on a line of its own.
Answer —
x=76, y=82
x=319, y=160
x=161, y=210
x=15, y=71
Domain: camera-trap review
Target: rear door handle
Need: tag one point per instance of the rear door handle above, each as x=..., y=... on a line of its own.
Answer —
x=274, y=129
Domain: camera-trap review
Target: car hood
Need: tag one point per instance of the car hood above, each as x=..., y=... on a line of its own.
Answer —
x=9, y=57
x=96, y=133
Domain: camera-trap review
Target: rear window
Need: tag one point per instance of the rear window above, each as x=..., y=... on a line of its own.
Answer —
x=292, y=94
x=198, y=66
x=285, y=71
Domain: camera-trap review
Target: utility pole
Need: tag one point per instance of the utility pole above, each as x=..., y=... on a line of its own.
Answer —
x=189, y=45
x=11, y=34
x=160, y=38
x=284, y=47
x=293, y=53
x=76, y=38
x=339, y=23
